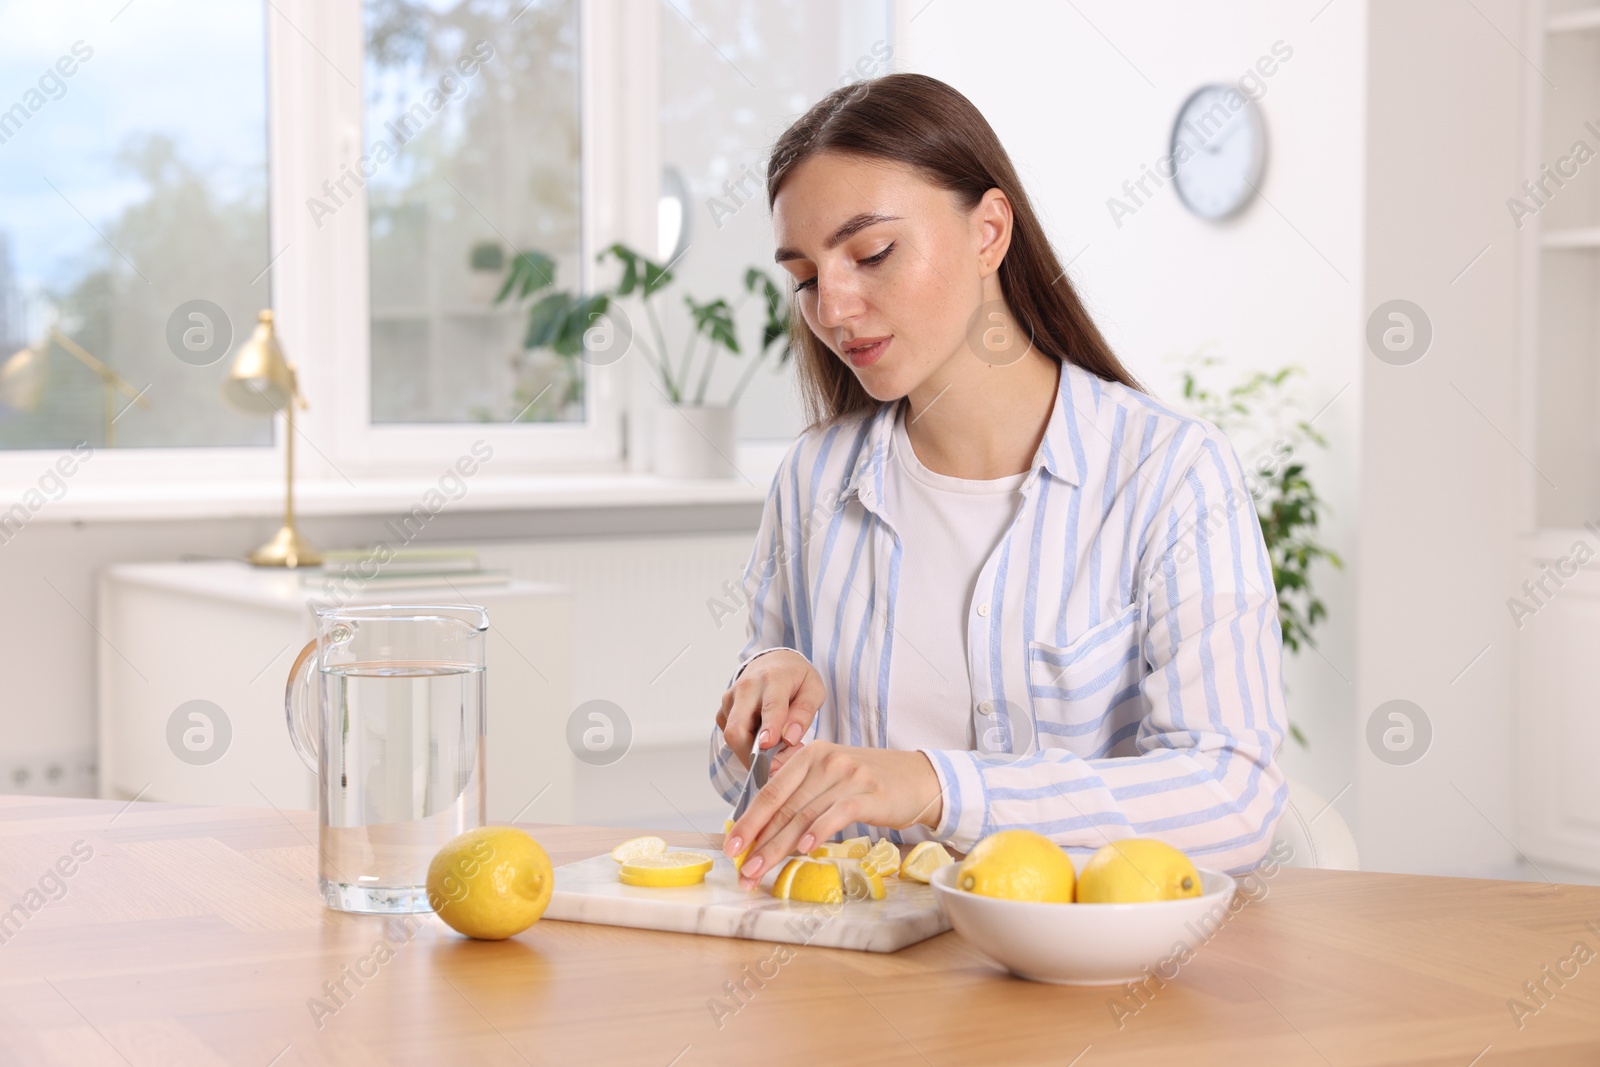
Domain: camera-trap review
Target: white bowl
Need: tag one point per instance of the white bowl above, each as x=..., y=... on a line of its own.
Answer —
x=1087, y=944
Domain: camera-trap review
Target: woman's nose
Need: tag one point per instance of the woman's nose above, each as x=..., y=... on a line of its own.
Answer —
x=837, y=302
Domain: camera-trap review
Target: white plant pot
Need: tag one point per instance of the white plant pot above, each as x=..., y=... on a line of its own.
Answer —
x=694, y=441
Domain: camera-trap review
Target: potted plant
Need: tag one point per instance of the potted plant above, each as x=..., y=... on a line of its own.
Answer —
x=694, y=437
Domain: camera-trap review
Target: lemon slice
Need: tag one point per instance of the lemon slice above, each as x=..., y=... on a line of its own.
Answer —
x=883, y=857
x=861, y=882
x=781, y=884
x=738, y=861
x=666, y=869
x=852, y=848
x=923, y=860
x=809, y=880
x=635, y=847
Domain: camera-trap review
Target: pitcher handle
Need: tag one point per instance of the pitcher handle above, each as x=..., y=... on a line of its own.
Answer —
x=299, y=704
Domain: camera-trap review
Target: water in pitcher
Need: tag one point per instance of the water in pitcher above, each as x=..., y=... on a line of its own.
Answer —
x=402, y=773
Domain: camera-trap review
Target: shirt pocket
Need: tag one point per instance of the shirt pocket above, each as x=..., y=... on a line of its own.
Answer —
x=1076, y=688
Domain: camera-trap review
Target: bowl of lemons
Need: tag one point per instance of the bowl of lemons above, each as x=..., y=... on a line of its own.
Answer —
x=1138, y=907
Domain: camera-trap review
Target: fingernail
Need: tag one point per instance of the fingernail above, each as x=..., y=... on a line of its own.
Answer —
x=792, y=733
x=732, y=846
x=761, y=738
x=807, y=842
x=751, y=868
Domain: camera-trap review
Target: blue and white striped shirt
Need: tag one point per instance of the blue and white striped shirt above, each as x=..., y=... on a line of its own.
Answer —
x=1122, y=640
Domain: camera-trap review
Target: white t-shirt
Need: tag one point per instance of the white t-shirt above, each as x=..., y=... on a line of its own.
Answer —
x=947, y=527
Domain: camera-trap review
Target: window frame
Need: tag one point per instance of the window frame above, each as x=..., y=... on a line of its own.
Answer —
x=331, y=290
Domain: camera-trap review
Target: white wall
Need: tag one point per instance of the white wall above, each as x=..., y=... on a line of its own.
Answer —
x=1081, y=102
x=1441, y=480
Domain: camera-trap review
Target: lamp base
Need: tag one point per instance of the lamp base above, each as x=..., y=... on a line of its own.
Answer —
x=287, y=549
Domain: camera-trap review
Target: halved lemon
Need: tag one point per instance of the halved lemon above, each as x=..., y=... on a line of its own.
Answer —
x=861, y=882
x=635, y=847
x=666, y=869
x=810, y=880
x=883, y=857
x=923, y=859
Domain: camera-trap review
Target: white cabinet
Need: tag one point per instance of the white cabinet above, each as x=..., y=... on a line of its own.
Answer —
x=226, y=633
x=1557, y=724
x=1556, y=211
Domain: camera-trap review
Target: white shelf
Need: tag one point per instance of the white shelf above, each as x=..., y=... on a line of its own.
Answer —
x=1578, y=237
x=1578, y=21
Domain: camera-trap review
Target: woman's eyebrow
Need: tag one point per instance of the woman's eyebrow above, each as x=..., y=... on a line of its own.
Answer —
x=851, y=227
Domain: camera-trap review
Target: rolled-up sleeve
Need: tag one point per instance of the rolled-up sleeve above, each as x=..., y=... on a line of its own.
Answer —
x=1205, y=777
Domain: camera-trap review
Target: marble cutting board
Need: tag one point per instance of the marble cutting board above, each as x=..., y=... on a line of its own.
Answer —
x=588, y=891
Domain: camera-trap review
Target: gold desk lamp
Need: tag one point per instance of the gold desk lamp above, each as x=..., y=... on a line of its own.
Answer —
x=22, y=380
x=262, y=382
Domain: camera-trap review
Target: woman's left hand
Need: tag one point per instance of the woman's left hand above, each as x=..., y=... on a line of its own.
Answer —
x=822, y=787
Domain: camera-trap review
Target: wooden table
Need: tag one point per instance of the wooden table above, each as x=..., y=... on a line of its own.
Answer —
x=195, y=936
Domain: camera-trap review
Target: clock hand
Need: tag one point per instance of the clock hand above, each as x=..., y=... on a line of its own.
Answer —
x=1215, y=146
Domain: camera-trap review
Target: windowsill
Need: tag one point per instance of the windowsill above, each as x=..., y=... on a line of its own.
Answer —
x=202, y=499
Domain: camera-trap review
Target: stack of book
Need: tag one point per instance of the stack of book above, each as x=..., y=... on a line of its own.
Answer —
x=372, y=568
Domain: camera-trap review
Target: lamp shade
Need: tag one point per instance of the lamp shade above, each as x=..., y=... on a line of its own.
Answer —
x=22, y=379
x=260, y=381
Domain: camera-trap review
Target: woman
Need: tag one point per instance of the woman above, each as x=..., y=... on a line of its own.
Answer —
x=996, y=584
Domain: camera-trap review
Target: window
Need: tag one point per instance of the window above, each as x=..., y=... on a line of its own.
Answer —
x=118, y=207
x=371, y=170
x=472, y=123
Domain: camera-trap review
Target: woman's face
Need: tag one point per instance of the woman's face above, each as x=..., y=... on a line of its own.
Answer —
x=877, y=253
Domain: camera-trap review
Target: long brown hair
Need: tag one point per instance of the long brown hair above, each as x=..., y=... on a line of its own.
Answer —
x=921, y=121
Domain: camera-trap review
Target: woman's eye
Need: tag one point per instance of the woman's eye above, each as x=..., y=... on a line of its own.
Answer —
x=881, y=256
x=870, y=261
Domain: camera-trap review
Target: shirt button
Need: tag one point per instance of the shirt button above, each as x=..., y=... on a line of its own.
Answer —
x=986, y=708
x=983, y=609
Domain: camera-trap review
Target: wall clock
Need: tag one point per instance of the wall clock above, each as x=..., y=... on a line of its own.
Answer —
x=1222, y=141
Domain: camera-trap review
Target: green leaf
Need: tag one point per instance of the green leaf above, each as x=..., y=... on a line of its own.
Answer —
x=630, y=267
x=714, y=321
x=579, y=317
x=776, y=326
x=546, y=320
x=530, y=271
x=656, y=278
x=638, y=272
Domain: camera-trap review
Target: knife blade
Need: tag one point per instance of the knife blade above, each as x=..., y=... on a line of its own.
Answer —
x=760, y=771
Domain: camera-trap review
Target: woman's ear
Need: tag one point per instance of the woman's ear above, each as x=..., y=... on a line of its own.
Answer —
x=993, y=218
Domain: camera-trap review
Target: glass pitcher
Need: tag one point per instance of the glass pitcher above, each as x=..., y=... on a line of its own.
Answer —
x=395, y=733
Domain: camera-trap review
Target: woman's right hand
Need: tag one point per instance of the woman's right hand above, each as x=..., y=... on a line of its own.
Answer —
x=777, y=696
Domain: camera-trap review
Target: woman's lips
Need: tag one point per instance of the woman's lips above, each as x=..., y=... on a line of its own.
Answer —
x=866, y=357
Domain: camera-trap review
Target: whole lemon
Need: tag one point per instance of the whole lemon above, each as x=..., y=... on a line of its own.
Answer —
x=490, y=883
x=1137, y=869
x=1018, y=865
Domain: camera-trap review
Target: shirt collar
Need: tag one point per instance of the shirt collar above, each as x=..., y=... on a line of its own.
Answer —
x=1061, y=452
